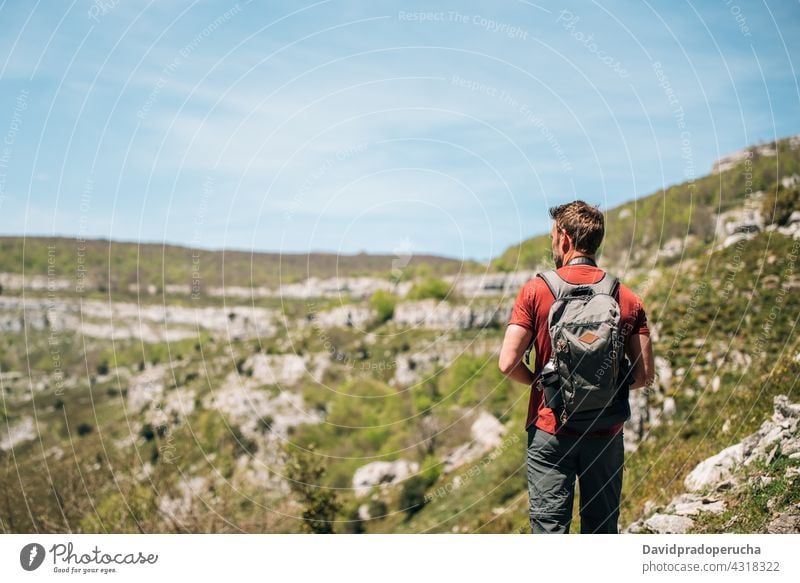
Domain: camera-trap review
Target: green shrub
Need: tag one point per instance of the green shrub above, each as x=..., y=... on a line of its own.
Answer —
x=121, y=512
x=412, y=496
x=102, y=367
x=353, y=523
x=431, y=288
x=431, y=470
x=378, y=509
x=383, y=303
x=457, y=380
x=777, y=207
x=306, y=473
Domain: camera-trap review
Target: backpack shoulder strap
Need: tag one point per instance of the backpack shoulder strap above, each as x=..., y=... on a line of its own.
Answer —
x=608, y=284
x=560, y=288
x=556, y=284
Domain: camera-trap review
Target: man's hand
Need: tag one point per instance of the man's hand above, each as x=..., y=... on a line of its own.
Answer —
x=515, y=343
x=640, y=353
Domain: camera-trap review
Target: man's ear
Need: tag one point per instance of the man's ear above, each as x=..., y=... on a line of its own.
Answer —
x=565, y=242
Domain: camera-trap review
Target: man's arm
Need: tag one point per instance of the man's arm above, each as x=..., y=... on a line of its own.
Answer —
x=640, y=353
x=514, y=346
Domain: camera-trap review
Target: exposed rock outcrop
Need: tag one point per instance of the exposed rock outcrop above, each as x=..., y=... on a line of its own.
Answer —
x=444, y=316
x=649, y=407
x=723, y=471
x=489, y=284
x=412, y=367
x=17, y=433
x=124, y=320
x=715, y=469
x=347, y=316
x=146, y=388
x=259, y=413
x=284, y=369
x=487, y=433
x=382, y=474
x=668, y=524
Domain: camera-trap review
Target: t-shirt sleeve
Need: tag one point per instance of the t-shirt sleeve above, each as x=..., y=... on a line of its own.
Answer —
x=522, y=312
x=640, y=317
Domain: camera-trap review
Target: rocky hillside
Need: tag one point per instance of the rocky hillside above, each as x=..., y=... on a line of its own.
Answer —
x=370, y=401
x=734, y=490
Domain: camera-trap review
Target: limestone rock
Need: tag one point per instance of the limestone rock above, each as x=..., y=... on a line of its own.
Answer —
x=139, y=321
x=489, y=284
x=275, y=369
x=781, y=431
x=259, y=413
x=719, y=473
x=382, y=474
x=692, y=505
x=487, y=434
x=413, y=367
x=668, y=524
x=649, y=407
x=444, y=316
x=346, y=316
x=17, y=433
x=146, y=388
x=663, y=372
x=785, y=523
x=714, y=469
x=363, y=512
x=668, y=408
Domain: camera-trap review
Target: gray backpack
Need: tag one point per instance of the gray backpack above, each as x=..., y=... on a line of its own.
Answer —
x=586, y=380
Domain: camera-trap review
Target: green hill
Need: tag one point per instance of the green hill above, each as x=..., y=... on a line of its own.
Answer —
x=111, y=265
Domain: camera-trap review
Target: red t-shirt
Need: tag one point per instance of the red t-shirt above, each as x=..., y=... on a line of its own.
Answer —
x=531, y=310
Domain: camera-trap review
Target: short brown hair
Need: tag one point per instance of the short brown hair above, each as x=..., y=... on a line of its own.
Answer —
x=583, y=223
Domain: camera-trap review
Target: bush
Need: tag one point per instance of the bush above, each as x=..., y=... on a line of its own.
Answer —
x=265, y=423
x=102, y=367
x=353, y=523
x=412, y=496
x=459, y=378
x=84, y=429
x=777, y=208
x=431, y=288
x=383, y=303
x=377, y=509
x=431, y=470
x=306, y=471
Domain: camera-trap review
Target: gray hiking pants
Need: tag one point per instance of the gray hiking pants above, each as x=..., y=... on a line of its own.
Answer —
x=554, y=461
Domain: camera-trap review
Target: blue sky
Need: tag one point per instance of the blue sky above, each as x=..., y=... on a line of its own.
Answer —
x=449, y=127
